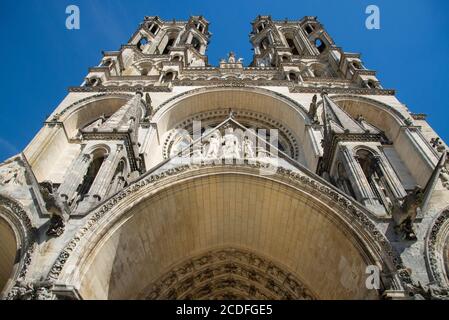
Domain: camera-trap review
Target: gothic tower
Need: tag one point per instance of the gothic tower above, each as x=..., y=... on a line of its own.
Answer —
x=165, y=177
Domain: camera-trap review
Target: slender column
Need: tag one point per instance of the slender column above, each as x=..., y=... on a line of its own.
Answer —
x=74, y=176
x=102, y=181
x=391, y=178
x=359, y=183
x=105, y=174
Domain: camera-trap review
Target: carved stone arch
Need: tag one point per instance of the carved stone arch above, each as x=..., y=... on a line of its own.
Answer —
x=107, y=228
x=17, y=236
x=98, y=148
x=86, y=110
x=272, y=105
x=344, y=102
x=437, y=249
x=364, y=148
x=406, y=140
x=228, y=273
x=247, y=118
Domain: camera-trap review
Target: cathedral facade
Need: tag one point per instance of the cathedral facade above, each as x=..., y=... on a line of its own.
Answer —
x=165, y=177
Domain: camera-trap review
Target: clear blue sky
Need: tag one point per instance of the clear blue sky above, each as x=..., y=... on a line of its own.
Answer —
x=41, y=58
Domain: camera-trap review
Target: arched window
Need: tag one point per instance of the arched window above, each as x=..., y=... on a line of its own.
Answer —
x=154, y=29
x=169, y=44
x=293, y=76
x=371, y=84
x=375, y=177
x=292, y=46
x=92, y=172
x=264, y=44
x=142, y=43
x=357, y=65
x=169, y=76
x=309, y=29
x=176, y=58
x=92, y=82
x=106, y=63
x=320, y=45
x=196, y=44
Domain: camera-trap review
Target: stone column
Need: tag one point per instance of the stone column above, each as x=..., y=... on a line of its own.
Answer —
x=359, y=182
x=74, y=176
x=391, y=178
x=102, y=181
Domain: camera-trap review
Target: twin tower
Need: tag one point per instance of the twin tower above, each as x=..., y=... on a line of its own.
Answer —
x=104, y=203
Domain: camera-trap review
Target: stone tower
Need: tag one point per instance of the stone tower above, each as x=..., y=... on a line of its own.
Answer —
x=165, y=177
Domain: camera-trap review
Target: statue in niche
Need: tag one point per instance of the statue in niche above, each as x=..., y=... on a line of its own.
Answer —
x=231, y=148
x=313, y=109
x=214, y=146
x=148, y=105
x=55, y=207
x=248, y=151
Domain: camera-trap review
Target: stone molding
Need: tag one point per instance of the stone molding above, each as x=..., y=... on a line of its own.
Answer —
x=14, y=213
x=435, y=244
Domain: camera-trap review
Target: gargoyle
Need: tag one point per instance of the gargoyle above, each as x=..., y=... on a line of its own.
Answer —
x=404, y=213
x=55, y=207
x=313, y=109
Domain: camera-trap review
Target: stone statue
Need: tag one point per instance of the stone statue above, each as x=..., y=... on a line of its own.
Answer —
x=444, y=175
x=313, y=110
x=148, y=104
x=13, y=175
x=214, y=146
x=231, y=148
x=30, y=291
x=55, y=207
x=248, y=151
x=231, y=57
x=404, y=214
x=428, y=292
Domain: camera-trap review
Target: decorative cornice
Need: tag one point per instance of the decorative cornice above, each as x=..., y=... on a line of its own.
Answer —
x=233, y=82
x=440, y=228
x=361, y=91
x=26, y=227
x=121, y=89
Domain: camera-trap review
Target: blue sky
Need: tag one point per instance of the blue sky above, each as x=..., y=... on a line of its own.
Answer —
x=41, y=58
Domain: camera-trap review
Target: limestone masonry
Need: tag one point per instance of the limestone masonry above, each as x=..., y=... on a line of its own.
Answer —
x=116, y=198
